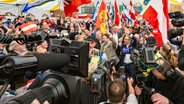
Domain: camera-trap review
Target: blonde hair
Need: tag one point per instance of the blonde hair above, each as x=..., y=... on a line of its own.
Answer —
x=169, y=53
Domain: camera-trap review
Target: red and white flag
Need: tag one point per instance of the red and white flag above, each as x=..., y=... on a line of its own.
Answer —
x=132, y=12
x=156, y=13
x=71, y=6
x=29, y=27
x=117, y=16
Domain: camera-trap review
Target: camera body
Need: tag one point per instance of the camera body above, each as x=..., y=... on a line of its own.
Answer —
x=143, y=58
x=98, y=81
x=177, y=18
x=60, y=84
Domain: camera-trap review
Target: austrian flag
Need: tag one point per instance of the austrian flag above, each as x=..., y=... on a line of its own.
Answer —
x=156, y=13
x=28, y=27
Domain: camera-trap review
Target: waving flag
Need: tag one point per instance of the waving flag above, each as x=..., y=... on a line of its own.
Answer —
x=110, y=12
x=116, y=12
x=96, y=10
x=72, y=6
x=132, y=12
x=145, y=2
x=156, y=13
x=28, y=27
x=102, y=17
x=126, y=13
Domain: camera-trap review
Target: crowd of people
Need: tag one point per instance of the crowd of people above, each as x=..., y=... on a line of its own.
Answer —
x=117, y=45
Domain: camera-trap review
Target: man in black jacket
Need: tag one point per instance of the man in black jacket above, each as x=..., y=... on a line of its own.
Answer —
x=168, y=85
x=181, y=56
x=128, y=44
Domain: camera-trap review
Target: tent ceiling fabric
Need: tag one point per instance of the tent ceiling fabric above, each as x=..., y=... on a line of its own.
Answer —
x=16, y=1
x=52, y=5
x=56, y=4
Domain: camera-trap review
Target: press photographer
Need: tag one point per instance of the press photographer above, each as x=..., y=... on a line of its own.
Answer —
x=167, y=83
x=181, y=56
x=177, y=20
x=154, y=77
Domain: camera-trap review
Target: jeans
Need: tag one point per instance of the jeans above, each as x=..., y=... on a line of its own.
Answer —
x=130, y=70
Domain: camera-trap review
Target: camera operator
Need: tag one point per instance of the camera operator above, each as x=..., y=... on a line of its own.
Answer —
x=181, y=56
x=117, y=92
x=173, y=35
x=86, y=97
x=167, y=84
x=176, y=28
x=17, y=49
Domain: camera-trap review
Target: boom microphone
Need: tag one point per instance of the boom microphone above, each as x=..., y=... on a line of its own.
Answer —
x=19, y=64
x=52, y=60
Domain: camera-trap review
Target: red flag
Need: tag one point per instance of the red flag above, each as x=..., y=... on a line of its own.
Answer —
x=123, y=16
x=117, y=17
x=102, y=17
x=70, y=7
x=156, y=13
x=28, y=27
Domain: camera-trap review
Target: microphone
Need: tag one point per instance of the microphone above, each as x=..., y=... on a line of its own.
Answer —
x=52, y=60
x=15, y=65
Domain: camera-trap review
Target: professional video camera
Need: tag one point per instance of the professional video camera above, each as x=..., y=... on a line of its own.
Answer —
x=172, y=33
x=98, y=76
x=177, y=18
x=99, y=79
x=34, y=37
x=59, y=84
x=178, y=21
x=143, y=59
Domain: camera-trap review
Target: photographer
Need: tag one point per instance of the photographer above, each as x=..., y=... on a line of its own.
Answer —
x=167, y=84
x=172, y=34
x=117, y=92
x=181, y=56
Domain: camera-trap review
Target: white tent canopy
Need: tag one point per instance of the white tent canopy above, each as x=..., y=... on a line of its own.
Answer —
x=9, y=10
x=12, y=11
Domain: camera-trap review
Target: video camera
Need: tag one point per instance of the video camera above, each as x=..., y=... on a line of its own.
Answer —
x=99, y=79
x=99, y=76
x=60, y=84
x=177, y=18
x=143, y=58
x=34, y=37
x=177, y=21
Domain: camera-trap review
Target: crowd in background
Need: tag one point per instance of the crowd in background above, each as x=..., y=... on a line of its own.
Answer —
x=116, y=44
